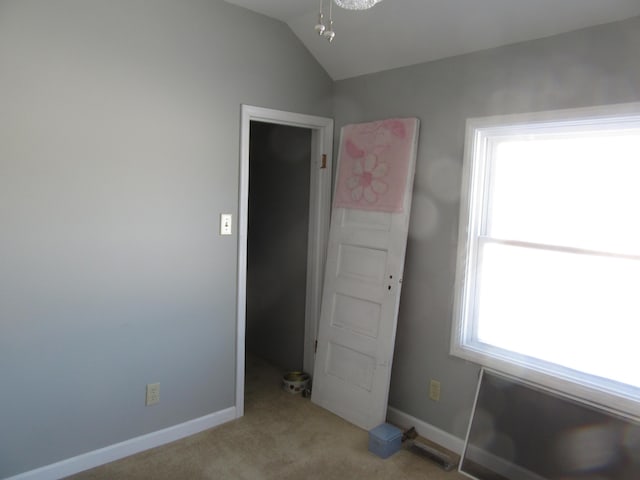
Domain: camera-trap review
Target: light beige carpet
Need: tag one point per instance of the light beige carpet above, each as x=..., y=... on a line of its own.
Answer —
x=281, y=436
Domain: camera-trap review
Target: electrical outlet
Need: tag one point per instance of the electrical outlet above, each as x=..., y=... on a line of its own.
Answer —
x=434, y=390
x=153, y=394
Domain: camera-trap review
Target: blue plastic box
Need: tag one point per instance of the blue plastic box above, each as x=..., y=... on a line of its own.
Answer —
x=385, y=440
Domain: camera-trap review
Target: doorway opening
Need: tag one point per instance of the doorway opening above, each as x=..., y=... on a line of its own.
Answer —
x=279, y=151
x=277, y=243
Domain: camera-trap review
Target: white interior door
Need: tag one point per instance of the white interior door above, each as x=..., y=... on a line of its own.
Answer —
x=357, y=328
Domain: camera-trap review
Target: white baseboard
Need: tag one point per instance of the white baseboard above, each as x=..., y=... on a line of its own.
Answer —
x=124, y=449
x=426, y=430
x=129, y=447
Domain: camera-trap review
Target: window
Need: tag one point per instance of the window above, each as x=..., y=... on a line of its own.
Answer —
x=548, y=274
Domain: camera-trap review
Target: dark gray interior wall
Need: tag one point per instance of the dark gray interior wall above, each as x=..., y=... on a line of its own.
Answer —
x=594, y=66
x=280, y=162
x=119, y=148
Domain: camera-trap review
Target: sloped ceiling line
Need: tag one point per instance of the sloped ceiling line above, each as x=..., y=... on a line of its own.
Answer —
x=397, y=33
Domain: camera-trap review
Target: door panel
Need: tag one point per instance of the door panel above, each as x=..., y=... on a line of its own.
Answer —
x=363, y=275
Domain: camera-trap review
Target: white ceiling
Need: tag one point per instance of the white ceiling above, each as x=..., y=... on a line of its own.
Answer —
x=397, y=33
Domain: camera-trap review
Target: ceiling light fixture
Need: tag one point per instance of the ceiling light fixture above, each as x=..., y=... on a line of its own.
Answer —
x=356, y=4
x=326, y=30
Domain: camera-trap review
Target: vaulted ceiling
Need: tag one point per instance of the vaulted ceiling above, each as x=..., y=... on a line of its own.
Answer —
x=397, y=33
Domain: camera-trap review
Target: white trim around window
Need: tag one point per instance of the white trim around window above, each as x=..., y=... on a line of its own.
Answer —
x=485, y=228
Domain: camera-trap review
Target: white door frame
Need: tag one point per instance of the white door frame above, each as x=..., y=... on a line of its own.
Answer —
x=319, y=216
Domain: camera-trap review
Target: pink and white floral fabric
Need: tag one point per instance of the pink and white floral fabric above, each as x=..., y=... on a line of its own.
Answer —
x=374, y=164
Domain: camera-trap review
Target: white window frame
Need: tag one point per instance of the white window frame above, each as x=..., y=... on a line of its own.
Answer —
x=481, y=134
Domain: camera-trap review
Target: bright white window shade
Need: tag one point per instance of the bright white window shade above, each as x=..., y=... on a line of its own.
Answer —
x=548, y=278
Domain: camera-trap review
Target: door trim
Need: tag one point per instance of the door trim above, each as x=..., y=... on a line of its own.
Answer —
x=319, y=216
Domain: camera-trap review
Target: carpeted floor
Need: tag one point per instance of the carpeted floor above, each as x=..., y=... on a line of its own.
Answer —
x=281, y=436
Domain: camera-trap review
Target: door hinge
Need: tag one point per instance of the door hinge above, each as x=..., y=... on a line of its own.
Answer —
x=324, y=161
x=315, y=347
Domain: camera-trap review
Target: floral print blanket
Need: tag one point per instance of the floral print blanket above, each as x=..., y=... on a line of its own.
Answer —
x=374, y=163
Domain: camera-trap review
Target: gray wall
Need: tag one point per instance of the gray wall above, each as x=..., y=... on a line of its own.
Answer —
x=119, y=148
x=279, y=176
x=119, y=134
x=590, y=67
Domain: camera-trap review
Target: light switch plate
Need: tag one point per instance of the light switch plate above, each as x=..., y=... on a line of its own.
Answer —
x=225, y=224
